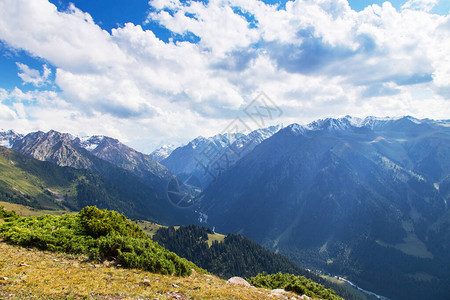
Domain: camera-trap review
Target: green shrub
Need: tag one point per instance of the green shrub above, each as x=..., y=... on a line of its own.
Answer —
x=101, y=222
x=8, y=214
x=101, y=234
x=296, y=284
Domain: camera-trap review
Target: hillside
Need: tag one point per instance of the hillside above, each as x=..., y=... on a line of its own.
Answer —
x=350, y=197
x=45, y=185
x=236, y=255
x=51, y=275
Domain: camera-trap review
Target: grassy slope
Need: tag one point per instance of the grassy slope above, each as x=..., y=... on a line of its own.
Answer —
x=150, y=229
x=59, y=276
x=27, y=181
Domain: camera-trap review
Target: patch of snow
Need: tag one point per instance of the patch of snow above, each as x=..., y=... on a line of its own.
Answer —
x=5, y=143
x=162, y=152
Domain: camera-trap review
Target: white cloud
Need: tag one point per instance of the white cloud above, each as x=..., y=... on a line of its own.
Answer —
x=425, y=5
x=315, y=58
x=33, y=76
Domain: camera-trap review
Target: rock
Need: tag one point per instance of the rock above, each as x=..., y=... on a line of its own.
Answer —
x=238, y=281
x=97, y=266
x=176, y=295
x=146, y=282
x=4, y=278
x=175, y=285
x=278, y=291
x=107, y=263
x=24, y=265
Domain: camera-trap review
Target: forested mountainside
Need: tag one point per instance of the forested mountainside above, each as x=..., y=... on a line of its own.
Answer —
x=361, y=198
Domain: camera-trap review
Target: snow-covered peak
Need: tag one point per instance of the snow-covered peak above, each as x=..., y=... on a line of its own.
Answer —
x=330, y=124
x=162, y=152
x=91, y=142
x=297, y=129
x=7, y=137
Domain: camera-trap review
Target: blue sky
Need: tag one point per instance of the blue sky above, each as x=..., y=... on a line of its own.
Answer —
x=166, y=71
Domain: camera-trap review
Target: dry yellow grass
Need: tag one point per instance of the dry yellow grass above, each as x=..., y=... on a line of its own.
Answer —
x=47, y=275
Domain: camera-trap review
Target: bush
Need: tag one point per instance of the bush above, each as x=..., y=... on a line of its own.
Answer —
x=8, y=214
x=296, y=284
x=101, y=234
x=101, y=222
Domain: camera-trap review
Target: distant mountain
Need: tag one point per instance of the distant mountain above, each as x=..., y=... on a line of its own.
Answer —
x=162, y=152
x=365, y=198
x=7, y=138
x=115, y=152
x=67, y=150
x=144, y=180
x=44, y=185
x=204, y=159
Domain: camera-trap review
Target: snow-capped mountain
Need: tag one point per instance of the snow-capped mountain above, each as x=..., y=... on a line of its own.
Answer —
x=367, y=198
x=207, y=158
x=8, y=137
x=162, y=152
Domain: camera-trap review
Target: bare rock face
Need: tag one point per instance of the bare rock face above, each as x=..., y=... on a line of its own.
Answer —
x=238, y=281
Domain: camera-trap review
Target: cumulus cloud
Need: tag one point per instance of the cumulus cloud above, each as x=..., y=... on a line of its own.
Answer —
x=33, y=76
x=314, y=58
x=425, y=5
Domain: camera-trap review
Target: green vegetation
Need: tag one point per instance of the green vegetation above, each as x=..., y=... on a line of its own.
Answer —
x=296, y=284
x=102, y=234
x=234, y=255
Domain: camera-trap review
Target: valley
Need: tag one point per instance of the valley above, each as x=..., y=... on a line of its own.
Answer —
x=363, y=199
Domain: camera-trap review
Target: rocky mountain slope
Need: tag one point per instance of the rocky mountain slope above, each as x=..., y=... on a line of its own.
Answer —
x=363, y=198
x=45, y=185
x=117, y=153
x=89, y=153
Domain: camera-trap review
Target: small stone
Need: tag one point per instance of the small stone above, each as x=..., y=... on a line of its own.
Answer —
x=175, y=285
x=5, y=278
x=56, y=259
x=106, y=263
x=97, y=266
x=24, y=265
x=146, y=282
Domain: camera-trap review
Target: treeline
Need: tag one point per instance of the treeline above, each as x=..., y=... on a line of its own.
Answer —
x=235, y=256
x=100, y=234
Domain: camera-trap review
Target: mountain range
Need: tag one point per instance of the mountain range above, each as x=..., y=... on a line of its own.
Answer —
x=202, y=160
x=141, y=182
x=366, y=199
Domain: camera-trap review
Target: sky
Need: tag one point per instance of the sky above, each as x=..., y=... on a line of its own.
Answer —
x=166, y=71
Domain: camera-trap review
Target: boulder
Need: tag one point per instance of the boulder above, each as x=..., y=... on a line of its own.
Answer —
x=238, y=281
